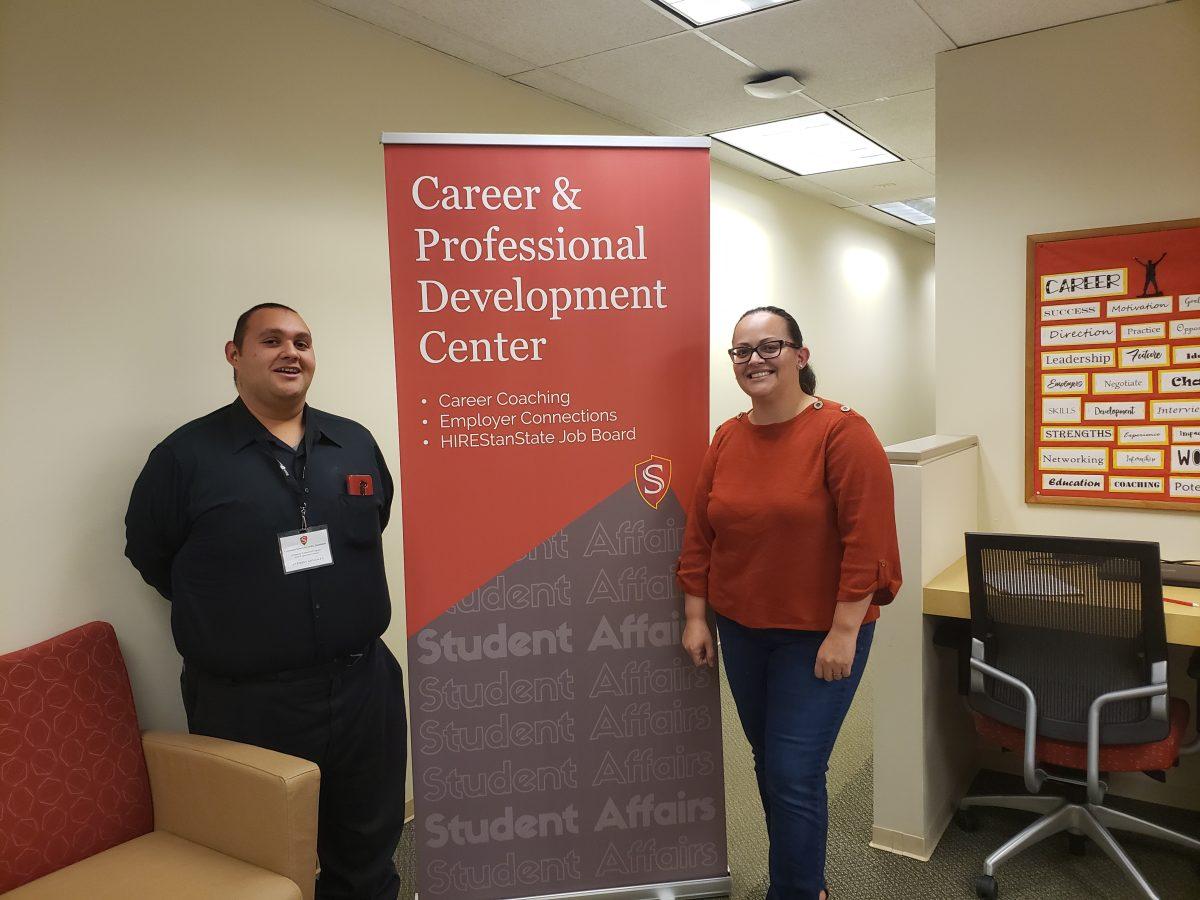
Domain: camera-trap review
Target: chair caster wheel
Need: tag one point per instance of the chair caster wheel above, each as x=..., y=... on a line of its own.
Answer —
x=967, y=819
x=985, y=887
x=1077, y=844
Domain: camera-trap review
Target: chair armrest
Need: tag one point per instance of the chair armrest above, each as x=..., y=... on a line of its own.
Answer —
x=1193, y=670
x=1095, y=791
x=1034, y=777
x=246, y=802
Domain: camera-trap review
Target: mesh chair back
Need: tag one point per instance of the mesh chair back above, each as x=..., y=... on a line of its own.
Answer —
x=1073, y=618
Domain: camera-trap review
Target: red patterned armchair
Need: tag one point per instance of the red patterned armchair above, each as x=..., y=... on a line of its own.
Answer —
x=91, y=808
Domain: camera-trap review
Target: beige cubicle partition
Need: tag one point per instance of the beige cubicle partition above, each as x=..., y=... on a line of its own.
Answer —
x=924, y=741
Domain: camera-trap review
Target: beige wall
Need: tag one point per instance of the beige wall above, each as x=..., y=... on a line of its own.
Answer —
x=862, y=294
x=165, y=165
x=1086, y=125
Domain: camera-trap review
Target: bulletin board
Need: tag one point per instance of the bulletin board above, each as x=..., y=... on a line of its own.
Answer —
x=1112, y=367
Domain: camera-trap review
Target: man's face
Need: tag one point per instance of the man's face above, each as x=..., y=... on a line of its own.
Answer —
x=276, y=362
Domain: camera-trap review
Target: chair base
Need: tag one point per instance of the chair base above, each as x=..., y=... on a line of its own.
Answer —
x=1088, y=819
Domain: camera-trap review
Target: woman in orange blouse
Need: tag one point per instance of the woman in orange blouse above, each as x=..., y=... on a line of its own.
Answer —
x=791, y=540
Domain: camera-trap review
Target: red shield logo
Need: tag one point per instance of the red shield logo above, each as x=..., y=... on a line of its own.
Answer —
x=653, y=477
x=303, y=539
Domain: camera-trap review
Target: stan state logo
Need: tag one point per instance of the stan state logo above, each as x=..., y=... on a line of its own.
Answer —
x=653, y=477
x=303, y=539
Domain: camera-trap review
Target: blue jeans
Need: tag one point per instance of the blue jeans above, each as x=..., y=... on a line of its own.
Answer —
x=791, y=719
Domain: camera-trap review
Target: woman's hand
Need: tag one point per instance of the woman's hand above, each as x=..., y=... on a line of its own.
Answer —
x=698, y=642
x=835, y=658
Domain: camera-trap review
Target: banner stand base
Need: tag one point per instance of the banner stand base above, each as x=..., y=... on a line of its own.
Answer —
x=663, y=890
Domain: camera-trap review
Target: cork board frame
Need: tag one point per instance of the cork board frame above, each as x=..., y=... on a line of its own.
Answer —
x=1113, y=328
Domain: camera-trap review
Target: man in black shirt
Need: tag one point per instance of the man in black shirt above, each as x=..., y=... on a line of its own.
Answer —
x=261, y=523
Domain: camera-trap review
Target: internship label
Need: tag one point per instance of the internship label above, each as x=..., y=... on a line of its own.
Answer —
x=1094, y=283
x=1081, y=433
x=1148, y=355
x=1060, y=409
x=1098, y=333
x=1073, y=482
x=1142, y=434
x=1063, y=311
x=1103, y=358
x=1074, y=459
x=1127, y=484
x=1137, y=459
x=1121, y=383
x=1113, y=410
x=1074, y=383
x=1142, y=306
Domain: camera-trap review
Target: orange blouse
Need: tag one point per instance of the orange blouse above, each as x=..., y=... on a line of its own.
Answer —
x=790, y=519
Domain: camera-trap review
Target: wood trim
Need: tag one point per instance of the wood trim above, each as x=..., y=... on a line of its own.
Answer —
x=1054, y=236
x=1031, y=474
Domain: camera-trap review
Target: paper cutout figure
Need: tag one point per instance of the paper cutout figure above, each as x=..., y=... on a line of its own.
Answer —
x=1151, y=266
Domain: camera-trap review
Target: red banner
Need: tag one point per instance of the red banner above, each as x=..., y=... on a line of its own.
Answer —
x=550, y=307
x=550, y=304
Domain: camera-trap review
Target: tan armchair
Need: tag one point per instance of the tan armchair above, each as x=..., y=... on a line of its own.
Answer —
x=229, y=820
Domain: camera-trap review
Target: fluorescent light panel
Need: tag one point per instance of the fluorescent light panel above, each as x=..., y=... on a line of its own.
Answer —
x=704, y=12
x=918, y=212
x=807, y=145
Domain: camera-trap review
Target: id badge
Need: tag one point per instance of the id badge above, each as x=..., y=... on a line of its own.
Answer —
x=305, y=549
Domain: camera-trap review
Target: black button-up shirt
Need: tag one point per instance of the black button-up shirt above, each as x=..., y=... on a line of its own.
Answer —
x=203, y=529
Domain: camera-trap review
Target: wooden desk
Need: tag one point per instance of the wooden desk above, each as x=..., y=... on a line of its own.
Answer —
x=946, y=595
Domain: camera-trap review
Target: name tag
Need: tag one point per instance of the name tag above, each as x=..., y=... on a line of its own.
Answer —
x=304, y=550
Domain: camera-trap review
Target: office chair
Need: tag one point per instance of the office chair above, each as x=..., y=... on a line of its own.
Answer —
x=1069, y=665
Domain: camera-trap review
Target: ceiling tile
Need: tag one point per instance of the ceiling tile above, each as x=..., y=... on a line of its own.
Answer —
x=844, y=51
x=879, y=184
x=747, y=162
x=683, y=79
x=805, y=185
x=973, y=21
x=546, y=81
x=549, y=32
x=883, y=218
x=928, y=164
x=902, y=124
x=408, y=24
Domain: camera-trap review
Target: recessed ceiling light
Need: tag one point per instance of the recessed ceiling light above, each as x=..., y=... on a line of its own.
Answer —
x=704, y=12
x=918, y=212
x=807, y=145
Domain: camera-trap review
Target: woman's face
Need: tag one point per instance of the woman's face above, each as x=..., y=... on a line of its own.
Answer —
x=763, y=378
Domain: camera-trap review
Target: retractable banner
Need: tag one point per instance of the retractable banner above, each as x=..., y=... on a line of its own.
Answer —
x=550, y=303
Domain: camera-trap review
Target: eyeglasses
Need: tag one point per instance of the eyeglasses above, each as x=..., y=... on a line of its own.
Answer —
x=765, y=350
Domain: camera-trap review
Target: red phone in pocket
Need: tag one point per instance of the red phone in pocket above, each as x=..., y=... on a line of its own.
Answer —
x=360, y=485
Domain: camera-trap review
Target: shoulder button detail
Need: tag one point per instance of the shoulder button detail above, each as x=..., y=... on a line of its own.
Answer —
x=845, y=409
x=818, y=404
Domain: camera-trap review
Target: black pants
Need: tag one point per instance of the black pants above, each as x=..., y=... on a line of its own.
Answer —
x=351, y=723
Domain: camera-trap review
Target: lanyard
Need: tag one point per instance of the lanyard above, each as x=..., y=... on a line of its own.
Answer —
x=296, y=485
